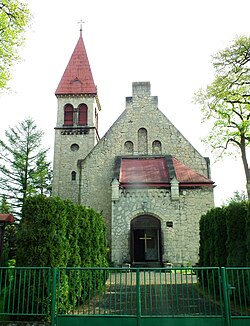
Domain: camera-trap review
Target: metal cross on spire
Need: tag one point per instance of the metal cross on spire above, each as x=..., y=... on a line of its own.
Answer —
x=81, y=22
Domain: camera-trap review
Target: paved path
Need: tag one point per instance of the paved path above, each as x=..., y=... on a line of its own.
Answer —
x=169, y=294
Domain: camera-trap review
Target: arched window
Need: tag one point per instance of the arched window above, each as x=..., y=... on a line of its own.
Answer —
x=73, y=176
x=156, y=147
x=82, y=115
x=68, y=115
x=129, y=148
x=142, y=141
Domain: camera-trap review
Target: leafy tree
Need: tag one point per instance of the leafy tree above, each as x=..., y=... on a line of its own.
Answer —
x=248, y=233
x=226, y=102
x=14, y=17
x=237, y=198
x=23, y=167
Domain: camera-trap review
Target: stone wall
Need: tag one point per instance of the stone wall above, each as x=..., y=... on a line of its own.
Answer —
x=180, y=243
x=71, y=145
x=95, y=173
x=141, y=112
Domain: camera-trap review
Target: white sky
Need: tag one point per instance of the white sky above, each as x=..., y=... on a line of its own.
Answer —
x=168, y=43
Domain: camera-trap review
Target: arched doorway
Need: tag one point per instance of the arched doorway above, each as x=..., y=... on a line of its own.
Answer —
x=145, y=239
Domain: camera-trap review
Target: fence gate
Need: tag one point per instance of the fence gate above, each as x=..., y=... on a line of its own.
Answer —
x=126, y=296
x=237, y=295
x=139, y=297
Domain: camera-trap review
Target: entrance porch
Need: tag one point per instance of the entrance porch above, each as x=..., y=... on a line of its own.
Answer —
x=146, y=241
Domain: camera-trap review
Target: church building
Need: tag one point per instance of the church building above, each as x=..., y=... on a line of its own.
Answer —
x=150, y=184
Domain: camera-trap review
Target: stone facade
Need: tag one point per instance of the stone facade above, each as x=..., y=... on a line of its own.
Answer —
x=72, y=143
x=179, y=222
x=142, y=130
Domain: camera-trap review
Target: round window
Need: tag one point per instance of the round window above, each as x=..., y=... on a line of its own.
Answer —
x=74, y=147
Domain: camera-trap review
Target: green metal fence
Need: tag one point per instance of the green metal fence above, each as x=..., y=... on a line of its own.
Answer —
x=158, y=291
x=25, y=291
x=139, y=296
x=237, y=282
x=142, y=296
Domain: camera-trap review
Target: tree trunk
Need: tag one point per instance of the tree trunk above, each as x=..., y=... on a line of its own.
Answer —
x=245, y=164
x=248, y=190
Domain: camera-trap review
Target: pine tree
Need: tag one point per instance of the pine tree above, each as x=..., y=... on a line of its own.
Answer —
x=24, y=169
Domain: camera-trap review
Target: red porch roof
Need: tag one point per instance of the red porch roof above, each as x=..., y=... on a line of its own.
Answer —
x=153, y=170
x=158, y=171
x=77, y=77
x=9, y=218
x=186, y=175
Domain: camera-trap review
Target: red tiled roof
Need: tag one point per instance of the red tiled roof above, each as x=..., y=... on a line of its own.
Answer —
x=152, y=170
x=77, y=77
x=157, y=172
x=7, y=218
x=186, y=175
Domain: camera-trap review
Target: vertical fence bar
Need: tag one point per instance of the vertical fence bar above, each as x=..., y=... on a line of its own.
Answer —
x=39, y=292
x=14, y=291
x=53, y=299
x=106, y=273
x=225, y=296
x=153, y=296
x=150, y=293
x=244, y=287
x=138, y=297
x=145, y=291
x=166, y=287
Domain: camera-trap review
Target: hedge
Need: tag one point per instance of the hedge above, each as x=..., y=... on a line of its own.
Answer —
x=58, y=233
x=224, y=236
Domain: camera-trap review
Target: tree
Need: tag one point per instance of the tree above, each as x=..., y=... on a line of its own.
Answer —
x=59, y=233
x=4, y=206
x=24, y=169
x=41, y=237
x=226, y=102
x=236, y=198
x=9, y=240
x=56, y=232
x=42, y=175
x=14, y=17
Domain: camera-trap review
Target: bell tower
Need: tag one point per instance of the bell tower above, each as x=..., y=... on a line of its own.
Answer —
x=76, y=131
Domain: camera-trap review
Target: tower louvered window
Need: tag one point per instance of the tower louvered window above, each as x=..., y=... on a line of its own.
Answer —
x=82, y=115
x=68, y=115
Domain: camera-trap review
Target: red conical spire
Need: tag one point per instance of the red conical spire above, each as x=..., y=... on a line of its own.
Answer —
x=77, y=77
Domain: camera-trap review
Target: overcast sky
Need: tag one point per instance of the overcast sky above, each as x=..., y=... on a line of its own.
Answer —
x=168, y=43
